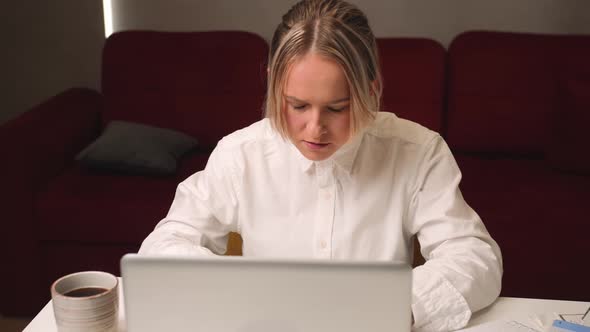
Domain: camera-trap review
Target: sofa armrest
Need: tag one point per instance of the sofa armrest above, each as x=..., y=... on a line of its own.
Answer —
x=36, y=146
x=47, y=137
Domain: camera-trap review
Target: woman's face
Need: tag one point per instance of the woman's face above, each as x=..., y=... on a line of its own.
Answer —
x=317, y=106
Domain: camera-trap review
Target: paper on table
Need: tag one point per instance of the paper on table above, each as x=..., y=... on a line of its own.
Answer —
x=580, y=319
x=586, y=317
x=501, y=326
x=544, y=321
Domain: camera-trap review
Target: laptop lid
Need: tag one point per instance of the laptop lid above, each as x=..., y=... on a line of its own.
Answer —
x=237, y=294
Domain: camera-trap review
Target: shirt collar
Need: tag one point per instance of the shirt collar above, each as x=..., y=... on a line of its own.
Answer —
x=304, y=163
x=343, y=158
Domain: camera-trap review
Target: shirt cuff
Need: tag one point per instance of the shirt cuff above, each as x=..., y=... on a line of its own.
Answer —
x=436, y=304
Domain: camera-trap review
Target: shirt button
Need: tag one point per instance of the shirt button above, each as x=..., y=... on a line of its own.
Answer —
x=327, y=196
x=323, y=244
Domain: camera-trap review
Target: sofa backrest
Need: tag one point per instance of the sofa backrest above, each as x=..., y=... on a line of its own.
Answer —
x=206, y=84
x=503, y=89
x=413, y=79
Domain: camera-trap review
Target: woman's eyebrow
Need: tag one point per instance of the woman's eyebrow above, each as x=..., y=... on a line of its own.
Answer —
x=297, y=100
x=293, y=99
x=341, y=100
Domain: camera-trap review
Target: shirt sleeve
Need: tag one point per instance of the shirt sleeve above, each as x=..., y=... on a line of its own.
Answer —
x=202, y=214
x=463, y=268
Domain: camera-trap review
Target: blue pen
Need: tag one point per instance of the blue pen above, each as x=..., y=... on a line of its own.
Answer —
x=562, y=326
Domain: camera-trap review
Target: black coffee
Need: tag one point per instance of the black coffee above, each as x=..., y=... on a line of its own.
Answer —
x=85, y=291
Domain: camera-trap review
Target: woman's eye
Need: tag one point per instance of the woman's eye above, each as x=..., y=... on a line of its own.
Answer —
x=298, y=107
x=336, y=110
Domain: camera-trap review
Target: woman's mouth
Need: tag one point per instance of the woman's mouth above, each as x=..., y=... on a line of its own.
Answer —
x=315, y=146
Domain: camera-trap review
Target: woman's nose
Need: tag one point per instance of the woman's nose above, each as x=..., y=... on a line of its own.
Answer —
x=317, y=123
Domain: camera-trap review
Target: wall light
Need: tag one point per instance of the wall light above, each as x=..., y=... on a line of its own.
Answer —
x=108, y=17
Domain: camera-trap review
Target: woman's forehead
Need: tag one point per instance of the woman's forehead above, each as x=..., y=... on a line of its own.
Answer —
x=316, y=78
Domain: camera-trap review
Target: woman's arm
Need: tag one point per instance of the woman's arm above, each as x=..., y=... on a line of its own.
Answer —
x=202, y=214
x=463, y=268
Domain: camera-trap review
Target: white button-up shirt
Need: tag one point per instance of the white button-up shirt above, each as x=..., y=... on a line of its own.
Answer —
x=393, y=180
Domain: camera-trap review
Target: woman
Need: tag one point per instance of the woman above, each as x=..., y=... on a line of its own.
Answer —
x=326, y=175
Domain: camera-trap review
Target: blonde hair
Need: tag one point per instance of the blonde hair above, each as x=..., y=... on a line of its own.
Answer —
x=334, y=29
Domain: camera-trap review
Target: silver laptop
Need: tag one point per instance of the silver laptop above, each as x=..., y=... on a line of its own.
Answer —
x=237, y=294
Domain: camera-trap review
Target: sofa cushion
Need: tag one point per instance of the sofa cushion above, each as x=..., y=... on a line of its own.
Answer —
x=532, y=212
x=568, y=149
x=413, y=79
x=215, y=78
x=88, y=207
x=501, y=92
x=136, y=148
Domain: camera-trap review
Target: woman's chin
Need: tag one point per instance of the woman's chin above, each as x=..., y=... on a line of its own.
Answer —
x=315, y=153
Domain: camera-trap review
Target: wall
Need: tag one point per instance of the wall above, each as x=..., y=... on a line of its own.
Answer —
x=49, y=46
x=440, y=20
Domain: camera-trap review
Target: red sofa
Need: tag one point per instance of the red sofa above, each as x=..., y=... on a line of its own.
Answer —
x=59, y=217
x=517, y=117
x=498, y=98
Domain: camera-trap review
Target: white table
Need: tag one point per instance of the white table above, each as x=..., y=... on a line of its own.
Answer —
x=505, y=308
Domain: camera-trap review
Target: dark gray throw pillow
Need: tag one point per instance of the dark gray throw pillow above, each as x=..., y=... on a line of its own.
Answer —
x=136, y=149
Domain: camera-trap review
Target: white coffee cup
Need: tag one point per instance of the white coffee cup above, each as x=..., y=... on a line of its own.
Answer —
x=85, y=301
